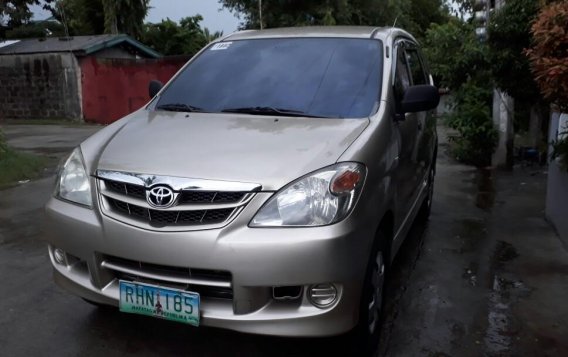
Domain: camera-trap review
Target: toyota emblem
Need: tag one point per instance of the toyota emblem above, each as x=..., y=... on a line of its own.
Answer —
x=161, y=197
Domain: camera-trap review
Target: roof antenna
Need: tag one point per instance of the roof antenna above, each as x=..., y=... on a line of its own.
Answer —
x=392, y=27
x=390, y=34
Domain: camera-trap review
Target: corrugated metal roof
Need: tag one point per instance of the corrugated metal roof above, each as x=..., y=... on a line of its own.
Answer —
x=80, y=45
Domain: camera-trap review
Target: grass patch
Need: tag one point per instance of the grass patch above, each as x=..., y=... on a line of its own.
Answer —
x=17, y=166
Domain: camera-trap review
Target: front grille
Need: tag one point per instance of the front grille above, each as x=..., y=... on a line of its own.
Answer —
x=208, y=283
x=197, y=204
x=161, y=217
x=126, y=189
x=211, y=197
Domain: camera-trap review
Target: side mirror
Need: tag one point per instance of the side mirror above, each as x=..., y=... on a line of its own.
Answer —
x=154, y=87
x=420, y=98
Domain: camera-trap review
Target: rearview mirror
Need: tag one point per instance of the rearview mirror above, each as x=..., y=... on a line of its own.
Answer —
x=154, y=88
x=420, y=98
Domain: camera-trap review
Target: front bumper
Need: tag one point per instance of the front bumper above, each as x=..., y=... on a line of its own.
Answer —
x=257, y=259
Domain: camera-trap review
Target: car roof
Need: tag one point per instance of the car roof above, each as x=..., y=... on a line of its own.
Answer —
x=319, y=31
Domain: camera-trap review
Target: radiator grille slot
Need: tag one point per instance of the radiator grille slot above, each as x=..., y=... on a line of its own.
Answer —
x=208, y=283
x=160, y=217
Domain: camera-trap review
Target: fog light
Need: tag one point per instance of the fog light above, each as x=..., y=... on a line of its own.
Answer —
x=59, y=256
x=322, y=295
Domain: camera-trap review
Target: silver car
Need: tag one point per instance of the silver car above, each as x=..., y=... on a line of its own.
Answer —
x=265, y=189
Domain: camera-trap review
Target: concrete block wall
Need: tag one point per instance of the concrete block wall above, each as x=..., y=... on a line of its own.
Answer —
x=41, y=86
x=557, y=188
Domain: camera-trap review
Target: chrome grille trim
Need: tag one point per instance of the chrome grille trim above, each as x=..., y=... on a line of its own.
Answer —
x=177, y=183
x=123, y=196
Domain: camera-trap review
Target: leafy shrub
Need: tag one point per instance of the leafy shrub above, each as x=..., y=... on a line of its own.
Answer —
x=549, y=63
x=549, y=53
x=472, y=119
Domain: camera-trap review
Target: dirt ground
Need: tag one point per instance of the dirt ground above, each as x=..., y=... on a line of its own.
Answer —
x=485, y=276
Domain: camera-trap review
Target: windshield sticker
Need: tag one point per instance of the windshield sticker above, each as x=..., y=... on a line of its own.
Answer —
x=221, y=46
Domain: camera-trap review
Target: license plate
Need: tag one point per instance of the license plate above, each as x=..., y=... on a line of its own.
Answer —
x=168, y=304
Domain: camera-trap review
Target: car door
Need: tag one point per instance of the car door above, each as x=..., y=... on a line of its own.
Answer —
x=423, y=141
x=406, y=124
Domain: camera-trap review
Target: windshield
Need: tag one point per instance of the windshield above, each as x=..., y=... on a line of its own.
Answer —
x=316, y=77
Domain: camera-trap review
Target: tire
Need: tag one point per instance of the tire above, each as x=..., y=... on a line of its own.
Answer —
x=427, y=206
x=371, y=309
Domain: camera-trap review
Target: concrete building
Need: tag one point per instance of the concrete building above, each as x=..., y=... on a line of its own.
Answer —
x=92, y=78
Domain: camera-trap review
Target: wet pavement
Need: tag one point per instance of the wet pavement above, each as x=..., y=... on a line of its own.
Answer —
x=489, y=276
x=485, y=276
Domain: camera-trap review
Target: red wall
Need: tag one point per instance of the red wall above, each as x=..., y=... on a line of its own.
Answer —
x=113, y=88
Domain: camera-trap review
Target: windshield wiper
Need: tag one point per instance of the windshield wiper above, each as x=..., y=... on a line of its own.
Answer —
x=179, y=107
x=270, y=111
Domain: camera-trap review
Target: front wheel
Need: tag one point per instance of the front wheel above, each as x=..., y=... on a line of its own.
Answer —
x=430, y=195
x=372, y=302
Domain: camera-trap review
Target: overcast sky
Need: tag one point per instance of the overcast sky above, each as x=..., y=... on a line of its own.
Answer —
x=213, y=19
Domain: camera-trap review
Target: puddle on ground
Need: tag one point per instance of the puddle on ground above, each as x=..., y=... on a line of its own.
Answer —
x=506, y=290
x=485, y=197
x=471, y=233
x=501, y=325
x=505, y=252
x=470, y=274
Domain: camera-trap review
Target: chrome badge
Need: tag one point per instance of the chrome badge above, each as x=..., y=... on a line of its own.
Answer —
x=161, y=197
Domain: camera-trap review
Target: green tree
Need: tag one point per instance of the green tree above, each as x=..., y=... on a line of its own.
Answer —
x=82, y=17
x=16, y=12
x=508, y=36
x=36, y=30
x=171, y=38
x=93, y=17
x=211, y=36
x=413, y=15
x=468, y=59
x=125, y=16
x=466, y=73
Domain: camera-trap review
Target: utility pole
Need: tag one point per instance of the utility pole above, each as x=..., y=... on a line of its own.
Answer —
x=260, y=13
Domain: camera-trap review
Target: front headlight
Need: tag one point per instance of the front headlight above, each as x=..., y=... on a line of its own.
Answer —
x=324, y=197
x=73, y=182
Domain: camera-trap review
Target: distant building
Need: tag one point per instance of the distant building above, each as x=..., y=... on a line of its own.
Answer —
x=93, y=78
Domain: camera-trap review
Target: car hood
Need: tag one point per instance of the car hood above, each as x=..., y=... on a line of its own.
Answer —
x=232, y=147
